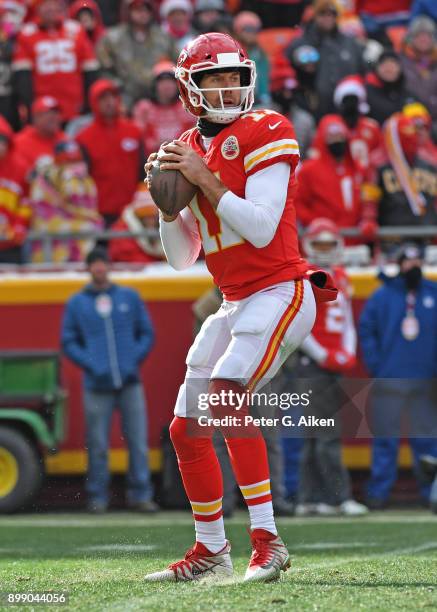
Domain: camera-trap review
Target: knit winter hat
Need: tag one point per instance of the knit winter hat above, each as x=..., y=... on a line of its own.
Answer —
x=422, y=24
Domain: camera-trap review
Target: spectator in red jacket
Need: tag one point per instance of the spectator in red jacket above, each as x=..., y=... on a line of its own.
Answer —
x=163, y=118
x=364, y=133
x=14, y=211
x=330, y=185
x=54, y=57
x=141, y=214
x=39, y=139
x=113, y=148
x=87, y=13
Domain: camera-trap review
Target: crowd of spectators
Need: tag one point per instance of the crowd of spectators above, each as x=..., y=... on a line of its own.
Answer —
x=358, y=78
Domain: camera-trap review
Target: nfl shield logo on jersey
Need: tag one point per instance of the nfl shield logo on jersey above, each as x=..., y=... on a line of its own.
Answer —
x=230, y=148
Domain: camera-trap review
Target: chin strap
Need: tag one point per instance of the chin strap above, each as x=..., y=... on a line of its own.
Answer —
x=208, y=128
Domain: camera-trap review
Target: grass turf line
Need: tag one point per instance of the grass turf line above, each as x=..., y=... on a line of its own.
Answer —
x=385, y=562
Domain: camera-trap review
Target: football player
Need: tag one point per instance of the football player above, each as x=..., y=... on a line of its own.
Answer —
x=327, y=353
x=243, y=216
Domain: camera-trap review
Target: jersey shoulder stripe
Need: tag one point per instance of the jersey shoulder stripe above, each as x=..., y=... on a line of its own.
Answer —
x=285, y=146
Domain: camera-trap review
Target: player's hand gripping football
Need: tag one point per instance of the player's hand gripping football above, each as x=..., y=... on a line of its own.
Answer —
x=179, y=159
x=177, y=155
x=148, y=166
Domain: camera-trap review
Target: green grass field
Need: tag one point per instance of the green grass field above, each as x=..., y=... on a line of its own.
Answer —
x=387, y=561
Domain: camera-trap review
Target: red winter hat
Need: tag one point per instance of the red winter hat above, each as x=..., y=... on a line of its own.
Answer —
x=44, y=104
x=352, y=85
x=100, y=87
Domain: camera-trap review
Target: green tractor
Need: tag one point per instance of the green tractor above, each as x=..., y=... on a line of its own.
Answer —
x=32, y=416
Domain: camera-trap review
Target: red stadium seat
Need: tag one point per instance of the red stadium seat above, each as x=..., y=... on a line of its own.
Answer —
x=396, y=34
x=274, y=40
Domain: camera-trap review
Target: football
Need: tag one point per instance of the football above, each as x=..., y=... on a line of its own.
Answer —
x=170, y=190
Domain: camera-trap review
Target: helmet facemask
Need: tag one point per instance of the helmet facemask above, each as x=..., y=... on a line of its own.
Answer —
x=324, y=257
x=222, y=114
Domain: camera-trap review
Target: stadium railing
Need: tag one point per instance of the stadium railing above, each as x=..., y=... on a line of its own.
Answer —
x=395, y=232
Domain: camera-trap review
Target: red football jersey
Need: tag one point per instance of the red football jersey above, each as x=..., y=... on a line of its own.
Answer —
x=255, y=141
x=57, y=59
x=334, y=328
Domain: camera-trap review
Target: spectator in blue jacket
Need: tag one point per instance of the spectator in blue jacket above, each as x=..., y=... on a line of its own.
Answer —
x=108, y=333
x=398, y=333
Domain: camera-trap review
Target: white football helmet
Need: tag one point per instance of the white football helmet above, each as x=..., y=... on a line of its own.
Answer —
x=214, y=52
x=322, y=243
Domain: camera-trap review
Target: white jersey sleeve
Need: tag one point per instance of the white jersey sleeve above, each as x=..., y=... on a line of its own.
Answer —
x=180, y=240
x=256, y=217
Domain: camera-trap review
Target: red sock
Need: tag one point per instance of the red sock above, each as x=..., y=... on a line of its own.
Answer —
x=203, y=482
x=246, y=446
x=248, y=456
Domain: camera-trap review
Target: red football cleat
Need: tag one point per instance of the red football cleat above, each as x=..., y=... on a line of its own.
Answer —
x=269, y=557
